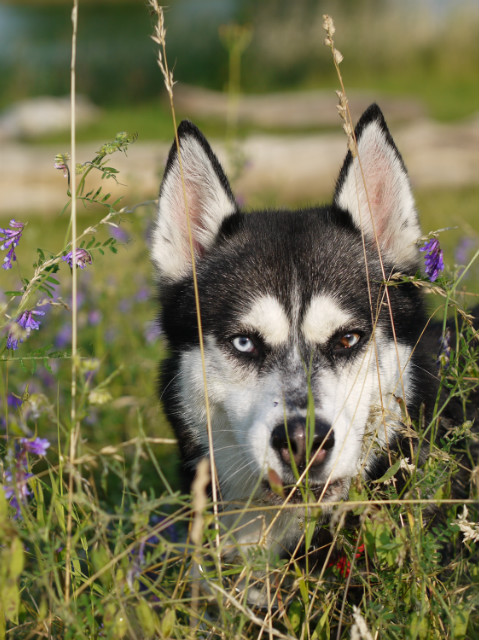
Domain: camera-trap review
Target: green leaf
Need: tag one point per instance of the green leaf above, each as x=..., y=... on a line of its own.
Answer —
x=322, y=630
x=460, y=619
x=295, y=615
x=16, y=558
x=3, y=624
x=48, y=290
x=391, y=472
x=168, y=623
x=148, y=619
x=10, y=600
x=309, y=532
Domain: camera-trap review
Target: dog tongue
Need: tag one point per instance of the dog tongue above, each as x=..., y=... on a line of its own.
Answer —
x=275, y=482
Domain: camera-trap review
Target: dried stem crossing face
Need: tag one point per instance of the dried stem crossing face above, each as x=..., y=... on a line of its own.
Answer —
x=306, y=351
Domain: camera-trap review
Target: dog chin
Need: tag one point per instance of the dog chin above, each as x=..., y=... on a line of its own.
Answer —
x=334, y=491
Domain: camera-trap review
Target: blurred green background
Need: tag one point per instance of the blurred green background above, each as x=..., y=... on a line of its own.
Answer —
x=426, y=48
x=419, y=58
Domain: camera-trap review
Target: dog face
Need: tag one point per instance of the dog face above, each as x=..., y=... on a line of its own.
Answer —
x=308, y=355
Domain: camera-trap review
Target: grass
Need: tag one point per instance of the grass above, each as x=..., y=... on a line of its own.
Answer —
x=135, y=570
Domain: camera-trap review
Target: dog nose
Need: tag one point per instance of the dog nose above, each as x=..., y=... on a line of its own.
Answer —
x=293, y=443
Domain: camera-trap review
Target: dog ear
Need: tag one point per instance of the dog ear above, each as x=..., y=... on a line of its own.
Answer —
x=374, y=188
x=193, y=175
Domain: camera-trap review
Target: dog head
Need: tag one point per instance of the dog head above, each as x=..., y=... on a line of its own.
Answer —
x=307, y=354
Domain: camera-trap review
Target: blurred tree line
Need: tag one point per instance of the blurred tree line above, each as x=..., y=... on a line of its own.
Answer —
x=395, y=46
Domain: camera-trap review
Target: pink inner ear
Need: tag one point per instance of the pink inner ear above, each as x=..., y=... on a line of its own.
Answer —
x=195, y=211
x=382, y=192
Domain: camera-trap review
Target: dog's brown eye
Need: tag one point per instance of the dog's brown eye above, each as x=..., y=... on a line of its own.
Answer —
x=348, y=340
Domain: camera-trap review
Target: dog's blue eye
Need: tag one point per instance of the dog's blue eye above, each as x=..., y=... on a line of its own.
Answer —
x=349, y=340
x=243, y=344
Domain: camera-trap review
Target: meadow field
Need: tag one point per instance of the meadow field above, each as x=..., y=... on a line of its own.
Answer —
x=95, y=533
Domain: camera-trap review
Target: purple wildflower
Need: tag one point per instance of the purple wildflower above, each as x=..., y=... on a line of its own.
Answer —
x=119, y=234
x=94, y=317
x=444, y=355
x=152, y=332
x=38, y=446
x=14, y=401
x=463, y=250
x=143, y=294
x=433, y=259
x=10, y=238
x=63, y=336
x=61, y=163
x=16, y=488
x=20, y=484
x=27, y=322
x=139, y=558
x=16, y=480
x=82, y=258
x=169, y=531
x=12, y=342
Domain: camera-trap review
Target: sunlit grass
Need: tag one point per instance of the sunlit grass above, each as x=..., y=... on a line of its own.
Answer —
x=131, y=566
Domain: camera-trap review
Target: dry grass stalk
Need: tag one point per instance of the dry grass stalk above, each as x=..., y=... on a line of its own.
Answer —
x=160, y=38
x=348, y=126
x=75, y=425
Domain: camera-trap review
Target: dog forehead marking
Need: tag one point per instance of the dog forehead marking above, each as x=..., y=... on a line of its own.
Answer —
x=268, y=317
x=322, y=318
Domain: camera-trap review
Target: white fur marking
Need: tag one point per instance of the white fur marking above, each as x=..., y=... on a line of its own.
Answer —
x=323, y=317
x=268, y=317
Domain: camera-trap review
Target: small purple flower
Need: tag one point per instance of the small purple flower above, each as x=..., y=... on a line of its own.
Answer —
x=10, y=238
x=139, y=558
x=14, y=401
x=16, y=479
x=61, y=163
x=16, y=488
x=143, y=294
x=17, y=484
x=152, y=332
x=463, y=250
x=82, y=258
x=94, y=317
x=64, y=336
x=169, y=531
x=433, y=259
x=38, y=446
x=444, y=355
x=12, y=342
x=119, y=234
x=27, y=322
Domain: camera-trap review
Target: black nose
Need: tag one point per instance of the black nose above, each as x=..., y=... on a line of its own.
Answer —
x=292, y=442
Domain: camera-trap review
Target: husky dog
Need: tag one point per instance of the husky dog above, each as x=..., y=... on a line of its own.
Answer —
x=311, y=361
